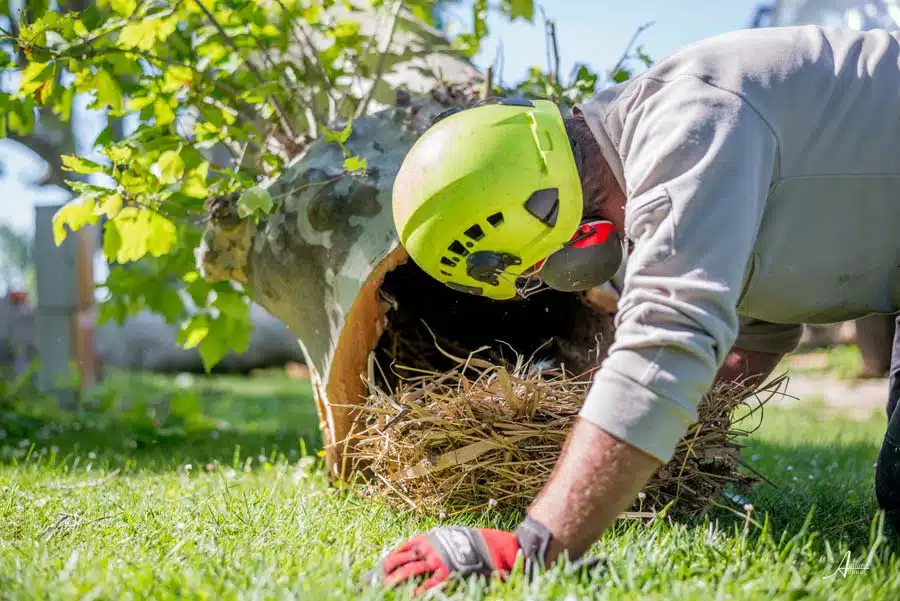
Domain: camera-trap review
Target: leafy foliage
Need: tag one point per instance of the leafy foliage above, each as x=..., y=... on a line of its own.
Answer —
x=255, y=82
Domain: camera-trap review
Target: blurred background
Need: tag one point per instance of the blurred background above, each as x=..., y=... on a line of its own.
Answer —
x=57, y=303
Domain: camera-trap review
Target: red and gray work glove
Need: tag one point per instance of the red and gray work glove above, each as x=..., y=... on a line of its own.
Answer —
x=451, y=551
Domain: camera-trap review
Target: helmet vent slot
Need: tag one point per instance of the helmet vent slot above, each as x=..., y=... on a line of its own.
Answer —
x=544, y=204
x=495, y=220
x=447, y=262
x=475, y=232
x=449, y=275
x=458, y=248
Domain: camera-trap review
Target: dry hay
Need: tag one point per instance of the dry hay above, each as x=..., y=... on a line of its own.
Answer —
x=487, y=434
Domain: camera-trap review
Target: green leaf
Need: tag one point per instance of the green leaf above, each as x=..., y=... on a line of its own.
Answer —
x=109, y=94
x=355, y=163
x=239, y=332
x=621, y=75
x=214, y=50
x=112, y=240
x=144, y=34
x=142, y=232
x=312, y=14
x=466, y=44
x=137, y=181
x=34, y=76
x=213, y=349
x=136, y=103
x=195, y=183
x=166, y=301
x=36, y=8
x=339, y=137
x=124, y=8
x=117, y=154
x=163, y=112
x=74, y=215
x=21, y=116
x=194, y=331
x=89, y=190
x=253, y=201
x=345, y=28
x=171, y=167
x=109, y=205
x=519, y=9
x=80, y=165
x=644, y=57
x=161, y=234
x=232, y=305
x=63, y=106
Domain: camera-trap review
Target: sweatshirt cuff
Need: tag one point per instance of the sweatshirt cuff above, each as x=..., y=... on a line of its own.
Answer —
x=635, y=414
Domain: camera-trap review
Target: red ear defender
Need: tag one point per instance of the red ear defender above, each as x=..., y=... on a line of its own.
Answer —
x=591, y=258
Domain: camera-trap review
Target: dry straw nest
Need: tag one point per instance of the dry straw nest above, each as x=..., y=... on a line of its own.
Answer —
x=486, y=434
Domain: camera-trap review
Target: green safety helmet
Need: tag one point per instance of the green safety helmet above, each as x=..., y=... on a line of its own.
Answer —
x=487, y=194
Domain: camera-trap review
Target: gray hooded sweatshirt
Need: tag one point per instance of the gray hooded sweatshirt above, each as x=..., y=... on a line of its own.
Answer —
x=762, y=172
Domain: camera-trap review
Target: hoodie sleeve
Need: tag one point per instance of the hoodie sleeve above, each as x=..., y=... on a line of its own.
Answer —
x=699, y=163
x=765, y=337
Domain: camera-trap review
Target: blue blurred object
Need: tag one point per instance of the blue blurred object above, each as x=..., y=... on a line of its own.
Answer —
x=854, y=14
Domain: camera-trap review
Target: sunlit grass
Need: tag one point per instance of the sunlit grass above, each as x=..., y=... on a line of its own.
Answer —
x=210, y=488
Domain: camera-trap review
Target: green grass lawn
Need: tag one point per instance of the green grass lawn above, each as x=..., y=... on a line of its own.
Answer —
x=842, y=361
x=210, y=488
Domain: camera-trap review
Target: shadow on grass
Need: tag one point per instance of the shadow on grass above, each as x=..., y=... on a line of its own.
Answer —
x=160, y=423
x=824, y=487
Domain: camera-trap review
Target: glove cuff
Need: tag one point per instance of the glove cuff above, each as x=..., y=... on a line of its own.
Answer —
x=534, y=539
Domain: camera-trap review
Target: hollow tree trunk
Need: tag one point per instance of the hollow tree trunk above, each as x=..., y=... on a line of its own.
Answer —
x=317, y=262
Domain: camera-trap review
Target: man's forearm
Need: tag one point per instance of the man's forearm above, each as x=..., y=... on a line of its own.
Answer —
x=597, y=477
x=748, y=367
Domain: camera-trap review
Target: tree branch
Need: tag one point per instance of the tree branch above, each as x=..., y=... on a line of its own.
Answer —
x=306, y=42
x=628, y=47
x=552, y=51
x=279, y=110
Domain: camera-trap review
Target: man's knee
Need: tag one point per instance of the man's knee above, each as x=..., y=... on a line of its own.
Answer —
x=894, y=373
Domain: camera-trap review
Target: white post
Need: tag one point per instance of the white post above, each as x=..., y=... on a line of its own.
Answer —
x=64, y=307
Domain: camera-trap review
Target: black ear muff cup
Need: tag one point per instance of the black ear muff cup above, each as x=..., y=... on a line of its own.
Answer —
x=590, y=260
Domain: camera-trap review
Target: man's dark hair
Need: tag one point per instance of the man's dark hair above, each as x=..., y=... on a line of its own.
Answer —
x=586, y=150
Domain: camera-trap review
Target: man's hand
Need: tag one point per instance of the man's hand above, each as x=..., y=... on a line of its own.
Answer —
x=444, y=552
x=449, y=551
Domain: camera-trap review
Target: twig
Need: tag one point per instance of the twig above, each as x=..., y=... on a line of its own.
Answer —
x=69, y=521
x=488, y=82
x=630, y=44
x=379, y=69
x=499, y=61
x=553, y=51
